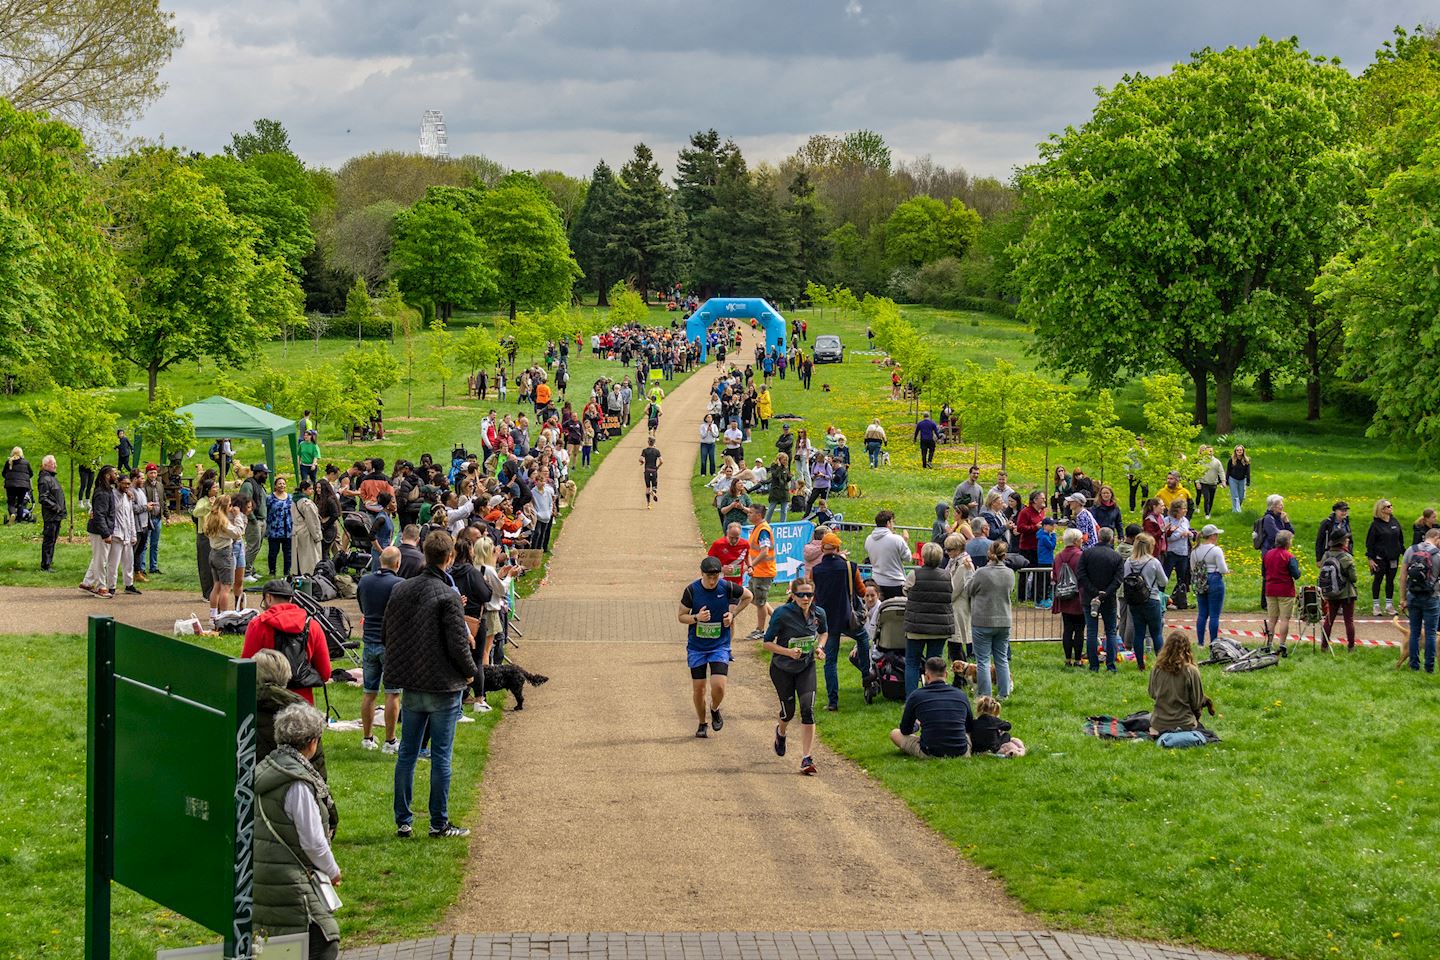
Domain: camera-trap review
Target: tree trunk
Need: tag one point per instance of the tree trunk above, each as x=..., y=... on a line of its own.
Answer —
x=604, y=299
x=1312, y=369
x=1224, y=420
x=512, y=311
x=409, y=413
x=154, y=371
x=1004, y=455
x=1265, y=386
x=1202, y=397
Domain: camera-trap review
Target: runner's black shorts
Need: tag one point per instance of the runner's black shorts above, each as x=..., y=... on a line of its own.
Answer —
x=716, y=670
x=652, y=479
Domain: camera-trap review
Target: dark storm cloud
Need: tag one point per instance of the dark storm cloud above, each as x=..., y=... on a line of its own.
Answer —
x=543, y=82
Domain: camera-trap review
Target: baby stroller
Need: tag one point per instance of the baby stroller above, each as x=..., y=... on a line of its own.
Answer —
x=888, y=676
x=357, y=557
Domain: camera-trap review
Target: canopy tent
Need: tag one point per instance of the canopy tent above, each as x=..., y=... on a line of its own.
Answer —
x=736, y=308
x=217, y=417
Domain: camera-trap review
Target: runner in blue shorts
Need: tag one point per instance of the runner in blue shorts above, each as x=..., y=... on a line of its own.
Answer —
x=709, y=607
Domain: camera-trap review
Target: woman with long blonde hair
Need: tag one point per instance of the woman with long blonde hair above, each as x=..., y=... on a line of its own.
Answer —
x=223, y=526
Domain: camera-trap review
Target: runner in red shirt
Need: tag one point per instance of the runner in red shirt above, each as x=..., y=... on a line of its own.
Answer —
x=731, y=550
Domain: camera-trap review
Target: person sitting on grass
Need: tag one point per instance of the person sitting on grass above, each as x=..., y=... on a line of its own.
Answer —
x=1176, y=688
x=990, y=734
x=942, y=712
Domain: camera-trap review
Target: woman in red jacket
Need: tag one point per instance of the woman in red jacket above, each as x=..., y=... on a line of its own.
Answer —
x=1281, y=569
x=1027, y=524
x=1154, y=524
x=1070, y=608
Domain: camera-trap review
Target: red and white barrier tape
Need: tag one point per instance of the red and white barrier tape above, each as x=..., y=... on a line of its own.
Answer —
x=1293, y=638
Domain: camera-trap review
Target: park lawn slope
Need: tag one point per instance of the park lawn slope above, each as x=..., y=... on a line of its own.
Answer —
x=393, y=889
x=1311, y=464
x=1306, y=833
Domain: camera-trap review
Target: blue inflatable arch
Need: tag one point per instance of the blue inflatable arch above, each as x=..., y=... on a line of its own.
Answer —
x=736, y=308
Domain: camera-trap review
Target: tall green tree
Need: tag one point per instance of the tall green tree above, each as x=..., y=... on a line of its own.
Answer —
x=566, y=192
x=1173, y=229
x=189, y=269
x=922, y=230
x=808, y=224
x=360, y=242
x=597, y=221
x=697, y=174
x=646, y=243
x=524, y=238
x=93, y=63
x=264, y=136
x=438, y=259
x=58, y=273
x=77, y=423
x=280, y=223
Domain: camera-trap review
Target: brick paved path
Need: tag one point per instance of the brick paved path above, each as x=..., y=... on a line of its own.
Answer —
x=778, y=946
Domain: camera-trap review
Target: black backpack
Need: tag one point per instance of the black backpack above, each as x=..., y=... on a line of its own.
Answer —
x=295, y=648
x=1420, y=571
x=1134, y=588
x=1257, y=532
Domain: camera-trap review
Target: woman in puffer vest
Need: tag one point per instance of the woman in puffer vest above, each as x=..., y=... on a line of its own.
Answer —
x=929, y=618
x=295, y=819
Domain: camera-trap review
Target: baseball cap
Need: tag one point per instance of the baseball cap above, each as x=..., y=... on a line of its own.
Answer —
x=710, y=565
x=278, y=588
x=830, y=540
x=259, y=468
x=1210, y=530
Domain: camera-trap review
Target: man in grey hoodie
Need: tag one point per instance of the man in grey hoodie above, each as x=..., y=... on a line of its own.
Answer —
x=940, y=529
x=888, y=551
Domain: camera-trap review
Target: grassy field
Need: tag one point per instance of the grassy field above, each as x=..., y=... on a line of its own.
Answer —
x=1301, y=835
x=1311, y=464
x=434, y=428
x=393, y=889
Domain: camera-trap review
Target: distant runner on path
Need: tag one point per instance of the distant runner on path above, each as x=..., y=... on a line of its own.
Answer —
x=708, y=607
x=652, y=462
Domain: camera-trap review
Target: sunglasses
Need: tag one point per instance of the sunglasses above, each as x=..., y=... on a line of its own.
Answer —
x=804, y=596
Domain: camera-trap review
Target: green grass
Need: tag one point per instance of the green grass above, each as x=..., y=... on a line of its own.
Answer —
x=1311, y=464
x=434, y=428
x=1308, y=832
x=393, y=890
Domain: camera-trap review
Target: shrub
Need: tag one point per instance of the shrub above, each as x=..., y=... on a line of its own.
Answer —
x=1351, y=400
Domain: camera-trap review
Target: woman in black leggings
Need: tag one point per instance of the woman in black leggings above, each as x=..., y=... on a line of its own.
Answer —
x=791, y=639
x=1384, y=545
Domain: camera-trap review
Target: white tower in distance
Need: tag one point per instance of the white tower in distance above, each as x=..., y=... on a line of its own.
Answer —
x=433, y=140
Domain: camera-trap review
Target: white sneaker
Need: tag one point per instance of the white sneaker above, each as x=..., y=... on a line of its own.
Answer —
x=252, y=579
x=481, y=706
x=464, y=719
x=391, y=747
x=1389, y=609
x=1375, y=609
x=368, y=743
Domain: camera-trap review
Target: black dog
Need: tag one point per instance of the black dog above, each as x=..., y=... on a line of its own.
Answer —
x=512, y=677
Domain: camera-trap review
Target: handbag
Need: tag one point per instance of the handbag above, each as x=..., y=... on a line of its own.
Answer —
x=323, y=888
x=857, y=616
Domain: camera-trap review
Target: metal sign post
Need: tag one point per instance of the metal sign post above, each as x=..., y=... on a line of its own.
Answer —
x=170, y=782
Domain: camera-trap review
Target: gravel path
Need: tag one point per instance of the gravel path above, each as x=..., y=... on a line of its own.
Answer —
x=601, y=811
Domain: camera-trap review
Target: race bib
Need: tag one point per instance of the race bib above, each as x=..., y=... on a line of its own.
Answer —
x=709, y=631
x=805, y=645
x=733, y=569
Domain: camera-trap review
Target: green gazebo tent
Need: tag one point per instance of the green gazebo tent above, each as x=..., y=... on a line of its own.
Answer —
x=217, y=417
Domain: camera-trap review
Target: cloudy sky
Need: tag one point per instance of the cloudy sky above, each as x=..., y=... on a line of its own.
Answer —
x=560, y=83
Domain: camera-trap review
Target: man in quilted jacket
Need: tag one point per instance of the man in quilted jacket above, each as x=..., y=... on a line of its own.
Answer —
x=427, y=655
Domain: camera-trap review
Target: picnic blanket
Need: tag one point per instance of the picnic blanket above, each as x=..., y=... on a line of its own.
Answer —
x=1134, y=727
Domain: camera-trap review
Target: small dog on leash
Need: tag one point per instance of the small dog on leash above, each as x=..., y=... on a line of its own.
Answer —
x=884, y=458
x=512, y=677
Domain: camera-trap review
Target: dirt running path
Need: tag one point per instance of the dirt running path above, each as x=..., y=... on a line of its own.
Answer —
x=601, y=811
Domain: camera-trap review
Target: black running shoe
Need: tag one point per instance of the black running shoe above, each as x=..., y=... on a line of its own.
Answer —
x=132, y=591
x=779, y=743
x=716, y=720
x=807, y=767
x=450, y=830
x=702, y=732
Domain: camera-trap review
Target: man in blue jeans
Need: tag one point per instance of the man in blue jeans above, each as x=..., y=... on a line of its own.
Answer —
x=1421, y=600
x=1099, y=577
x=428, y=656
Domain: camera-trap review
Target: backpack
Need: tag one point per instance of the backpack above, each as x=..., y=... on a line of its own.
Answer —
x=1330, y=581
x=295, y=648
x=1257, y=532
x=1420, y=571
x=1067, y=587
x=1134, y=588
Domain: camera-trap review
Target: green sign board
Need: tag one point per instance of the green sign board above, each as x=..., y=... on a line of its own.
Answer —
x=171, y=777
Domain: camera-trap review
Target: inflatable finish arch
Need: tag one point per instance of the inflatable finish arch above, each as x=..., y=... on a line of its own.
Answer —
x=736, y=308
